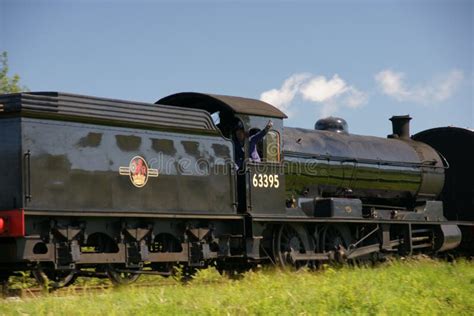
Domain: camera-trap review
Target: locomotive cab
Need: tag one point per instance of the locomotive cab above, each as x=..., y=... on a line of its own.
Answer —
x=260, y=185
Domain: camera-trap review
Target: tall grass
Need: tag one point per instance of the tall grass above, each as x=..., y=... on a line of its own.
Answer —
x=423, y=287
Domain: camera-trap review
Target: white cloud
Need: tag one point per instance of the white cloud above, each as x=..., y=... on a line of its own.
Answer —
x=355, y=98
x=319, y=89
x=282, y=98
x=437, y=90
x=329, y=94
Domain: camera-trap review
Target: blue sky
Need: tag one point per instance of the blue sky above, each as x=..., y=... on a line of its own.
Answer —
x=361, y=60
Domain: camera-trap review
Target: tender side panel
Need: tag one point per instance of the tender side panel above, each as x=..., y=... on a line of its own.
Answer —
x=11, y=196
x=84, y=167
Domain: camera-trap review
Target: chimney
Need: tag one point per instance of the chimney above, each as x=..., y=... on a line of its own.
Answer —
x=400, y=126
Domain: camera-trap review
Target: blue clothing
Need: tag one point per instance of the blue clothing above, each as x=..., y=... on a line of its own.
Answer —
x=239, y=149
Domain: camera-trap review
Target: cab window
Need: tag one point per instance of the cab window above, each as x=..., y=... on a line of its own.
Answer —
x=272, y=147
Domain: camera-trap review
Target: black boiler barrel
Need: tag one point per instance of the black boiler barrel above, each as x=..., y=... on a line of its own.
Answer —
x=393, y=171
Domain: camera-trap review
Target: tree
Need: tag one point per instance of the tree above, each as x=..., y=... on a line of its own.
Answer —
x=8, y=84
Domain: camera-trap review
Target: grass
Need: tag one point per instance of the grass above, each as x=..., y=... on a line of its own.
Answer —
x=414, y=287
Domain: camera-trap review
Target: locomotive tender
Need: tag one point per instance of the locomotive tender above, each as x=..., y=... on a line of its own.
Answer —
x=103, y=187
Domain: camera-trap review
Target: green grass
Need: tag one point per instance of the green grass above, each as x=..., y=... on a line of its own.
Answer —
x=418, y=287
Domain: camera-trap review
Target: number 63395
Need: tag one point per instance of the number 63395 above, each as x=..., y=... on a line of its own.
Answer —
x=265, y=181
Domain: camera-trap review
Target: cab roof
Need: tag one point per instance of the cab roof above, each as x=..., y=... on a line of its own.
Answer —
x=214, y=102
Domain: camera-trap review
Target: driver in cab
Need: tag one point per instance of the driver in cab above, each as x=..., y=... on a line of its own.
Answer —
x=239, y=143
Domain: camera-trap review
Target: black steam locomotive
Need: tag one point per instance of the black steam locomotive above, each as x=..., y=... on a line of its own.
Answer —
x=102, y=187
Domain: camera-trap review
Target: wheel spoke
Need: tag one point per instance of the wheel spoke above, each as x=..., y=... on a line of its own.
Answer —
x=334, y=238
x=286, y=240
x=54, y=279
x=118, y=277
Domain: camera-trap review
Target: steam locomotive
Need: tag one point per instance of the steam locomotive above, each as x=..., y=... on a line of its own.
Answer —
x=112, y=188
